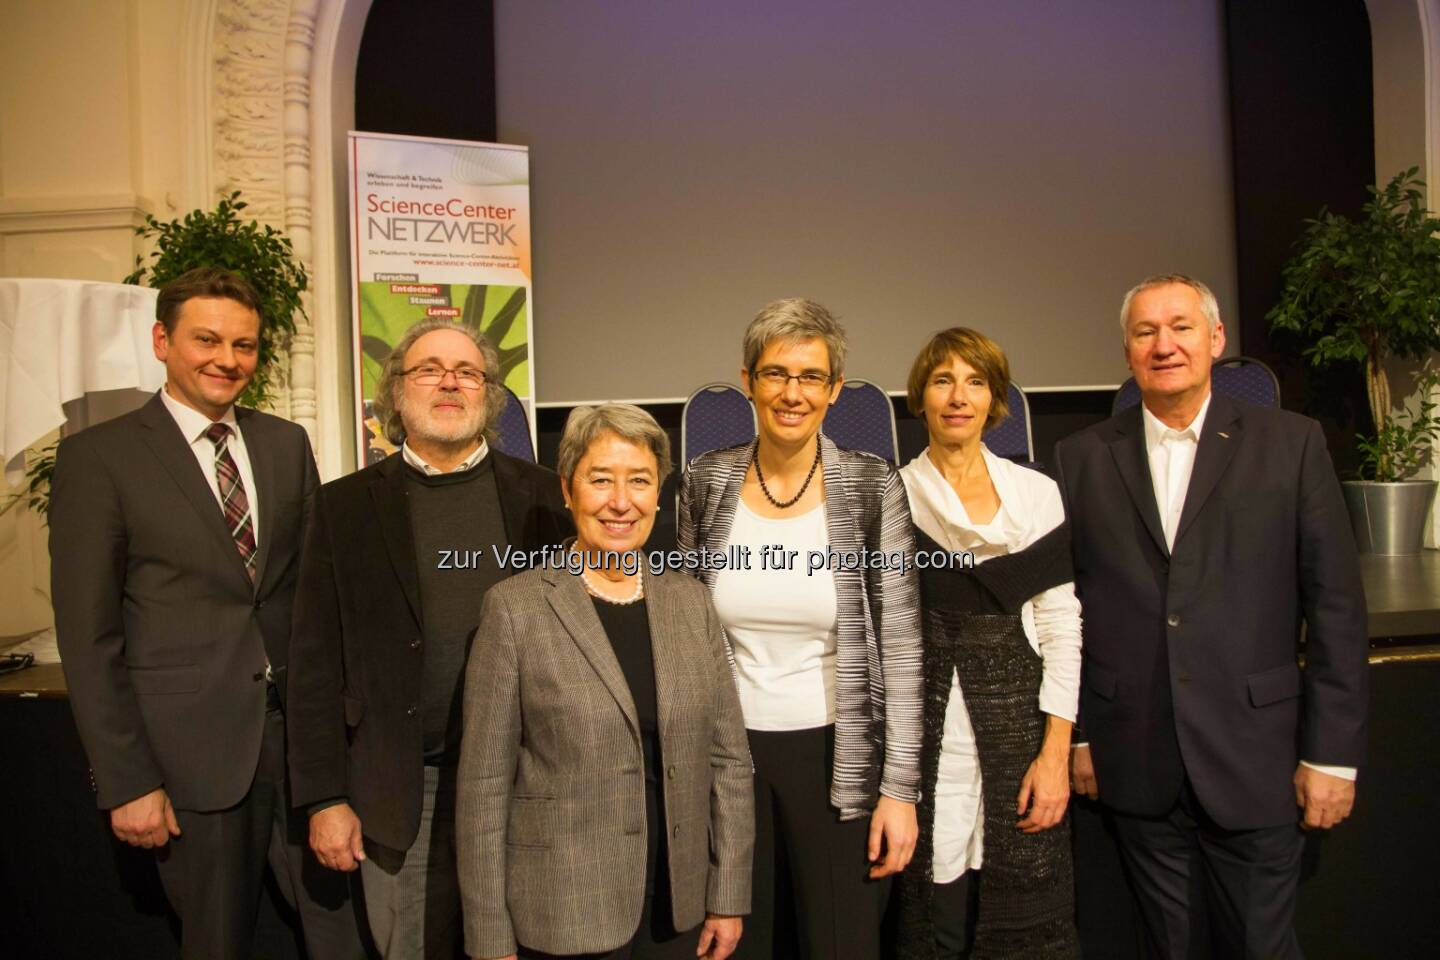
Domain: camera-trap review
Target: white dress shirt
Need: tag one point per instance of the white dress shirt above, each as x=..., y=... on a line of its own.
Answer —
x=1030, y=507
x=1172, y=460
x=193, y=425
x=419, y=462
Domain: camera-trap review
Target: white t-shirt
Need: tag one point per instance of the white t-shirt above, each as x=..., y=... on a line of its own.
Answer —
x=781, y=623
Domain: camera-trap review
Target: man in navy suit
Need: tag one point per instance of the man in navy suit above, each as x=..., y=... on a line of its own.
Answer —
x=1205, y=532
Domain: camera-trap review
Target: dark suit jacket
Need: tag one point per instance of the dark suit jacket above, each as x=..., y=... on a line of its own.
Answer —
x=163, y=636
x=1190, y=655
x=550, y=817
x=353, y=720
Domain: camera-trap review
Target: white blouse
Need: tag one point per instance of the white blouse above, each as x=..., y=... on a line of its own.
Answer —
x=1030, y=507
x=781, y=623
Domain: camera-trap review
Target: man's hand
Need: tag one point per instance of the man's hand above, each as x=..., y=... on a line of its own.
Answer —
x=335, y=837
x=719, y=937
x=147, y=821
x=1325, y=798
x=1047, y=783
x=893, y=822
x=1082, y=772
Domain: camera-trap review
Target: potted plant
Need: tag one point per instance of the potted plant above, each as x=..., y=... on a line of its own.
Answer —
x=1366, y=291
x=260, y=254
x=217, y=238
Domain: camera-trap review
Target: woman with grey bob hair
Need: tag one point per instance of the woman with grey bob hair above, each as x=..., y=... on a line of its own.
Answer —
x=392, y=375
x=828, y=662
x=626, y=421
x=588, y=826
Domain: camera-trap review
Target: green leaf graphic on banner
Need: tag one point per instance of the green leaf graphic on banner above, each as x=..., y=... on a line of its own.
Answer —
x=498, y=311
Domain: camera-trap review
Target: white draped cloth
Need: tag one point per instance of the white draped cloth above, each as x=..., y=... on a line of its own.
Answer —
x=63, y=339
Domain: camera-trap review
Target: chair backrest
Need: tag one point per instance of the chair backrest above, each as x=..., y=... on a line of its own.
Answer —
x=1127, y=396
x=1012, y=437
x=715, y=416
x=863, y=419
x=1243, y=378
x=1240, y=378
x=513, y=429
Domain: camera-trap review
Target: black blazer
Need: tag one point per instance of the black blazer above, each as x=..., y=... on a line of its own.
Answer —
x=353, y=718
x=163, y=636
x=1190, y=656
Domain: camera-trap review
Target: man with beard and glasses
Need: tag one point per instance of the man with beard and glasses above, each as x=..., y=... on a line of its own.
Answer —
x=384, y=617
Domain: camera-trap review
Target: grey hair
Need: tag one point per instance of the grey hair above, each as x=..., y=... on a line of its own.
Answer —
x=387, y=391
x=792, y=320
x=1209, y=307
x=627, y=421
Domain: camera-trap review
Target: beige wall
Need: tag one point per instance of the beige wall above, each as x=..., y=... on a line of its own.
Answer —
x=90, y=138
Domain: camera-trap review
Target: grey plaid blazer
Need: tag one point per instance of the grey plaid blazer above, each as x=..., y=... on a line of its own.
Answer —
x=878, y=681
x=550, y=817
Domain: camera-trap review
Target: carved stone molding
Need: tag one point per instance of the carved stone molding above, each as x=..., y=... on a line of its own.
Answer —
x=261, y=85
x=54, y=215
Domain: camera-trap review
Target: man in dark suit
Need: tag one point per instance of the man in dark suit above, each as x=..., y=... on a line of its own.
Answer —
x=397, y=558
x=175, y=539
x=1205, y=530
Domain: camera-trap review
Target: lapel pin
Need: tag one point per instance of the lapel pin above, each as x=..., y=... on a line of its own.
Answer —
x=1223, y=434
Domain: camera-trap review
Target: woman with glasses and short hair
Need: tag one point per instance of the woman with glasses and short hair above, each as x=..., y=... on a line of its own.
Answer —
x=827, y=651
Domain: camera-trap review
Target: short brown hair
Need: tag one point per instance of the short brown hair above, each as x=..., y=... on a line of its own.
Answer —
x=974, y=348
x=203, y=282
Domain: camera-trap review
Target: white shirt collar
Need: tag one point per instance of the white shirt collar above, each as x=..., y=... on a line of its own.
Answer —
x=418, y=462
x=1156, y=429
x=192, y=422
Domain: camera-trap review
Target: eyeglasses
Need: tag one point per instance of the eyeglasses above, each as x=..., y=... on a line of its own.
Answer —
x=777, y=379
x=430, y=375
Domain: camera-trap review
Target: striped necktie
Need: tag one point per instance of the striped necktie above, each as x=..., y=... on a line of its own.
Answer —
x=232, y=496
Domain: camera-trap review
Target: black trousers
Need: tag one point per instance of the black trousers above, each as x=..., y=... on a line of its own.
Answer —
x=214, y=871
x=955, y=907
x=1205, y=891
x=811, y=895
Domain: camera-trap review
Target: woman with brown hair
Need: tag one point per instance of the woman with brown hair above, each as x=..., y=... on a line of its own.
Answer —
x=1002, y=672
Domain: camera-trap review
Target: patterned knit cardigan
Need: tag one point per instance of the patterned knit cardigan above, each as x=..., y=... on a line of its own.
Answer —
x=879, y=686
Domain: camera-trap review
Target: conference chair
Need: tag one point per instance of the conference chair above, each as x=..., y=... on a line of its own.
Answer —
x=513, y=428
x=1012, y=438
x=715, y=416
x=1240, y=378
x=864, y=419
x=1243, y=378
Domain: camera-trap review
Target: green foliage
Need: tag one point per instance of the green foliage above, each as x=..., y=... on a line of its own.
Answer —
x=1406, y=442
x=36, y=494
x=1365, y=290
x=1367, y=287
x=260, y=254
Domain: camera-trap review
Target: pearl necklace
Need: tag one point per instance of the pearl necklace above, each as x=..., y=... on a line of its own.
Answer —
x=626, y=601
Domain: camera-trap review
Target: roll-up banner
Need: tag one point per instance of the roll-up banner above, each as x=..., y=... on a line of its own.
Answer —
x=439, y=228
